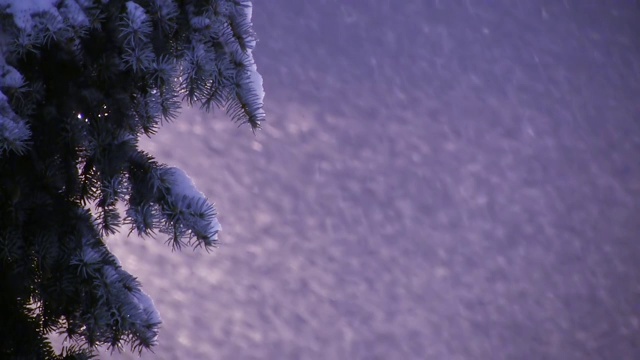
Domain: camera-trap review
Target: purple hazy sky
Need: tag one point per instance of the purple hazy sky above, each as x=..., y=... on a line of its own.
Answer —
x=452, y=179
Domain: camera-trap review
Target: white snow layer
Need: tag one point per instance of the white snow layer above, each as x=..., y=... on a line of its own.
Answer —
x=256, y=80
x=23, y=9
x=73, y=12
x=9, y=76
x=146, y=304
x=247, y=9
x=181, y=183
x=137, y=16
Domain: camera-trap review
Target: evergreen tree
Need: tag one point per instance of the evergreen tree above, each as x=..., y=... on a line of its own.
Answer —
x=80, y=81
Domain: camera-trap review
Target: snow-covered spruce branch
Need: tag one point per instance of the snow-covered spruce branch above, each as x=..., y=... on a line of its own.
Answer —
x=187, y=212
x=166, y=199
x=80, y=81
x=226, y=77
x=116, y=307
x=14, y=132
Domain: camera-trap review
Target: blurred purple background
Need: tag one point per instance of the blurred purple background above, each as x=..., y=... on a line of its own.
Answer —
x=452, y=179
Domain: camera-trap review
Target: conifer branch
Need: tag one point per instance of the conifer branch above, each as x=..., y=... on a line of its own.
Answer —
x=80, y=81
